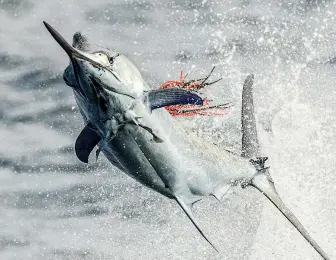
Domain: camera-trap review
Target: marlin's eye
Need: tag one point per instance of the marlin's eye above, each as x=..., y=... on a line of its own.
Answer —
x=111, y=60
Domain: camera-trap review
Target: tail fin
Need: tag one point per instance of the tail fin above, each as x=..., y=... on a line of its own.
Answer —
x=263, y=183
x=250, y=144
x=187, y=209
x=262, y=180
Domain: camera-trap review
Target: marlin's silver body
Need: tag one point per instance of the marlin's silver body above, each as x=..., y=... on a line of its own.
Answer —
x=109, y=90
x=181, y=165
x=178, y=166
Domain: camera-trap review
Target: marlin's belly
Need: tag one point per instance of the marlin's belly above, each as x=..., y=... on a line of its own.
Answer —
x=159, y=166
x=177, y=166
x=123, y=152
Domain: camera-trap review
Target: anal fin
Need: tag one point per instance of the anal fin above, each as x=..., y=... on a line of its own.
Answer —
x=187, y=209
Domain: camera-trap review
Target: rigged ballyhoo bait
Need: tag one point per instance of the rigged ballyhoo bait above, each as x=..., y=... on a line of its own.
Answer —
x=123, y=119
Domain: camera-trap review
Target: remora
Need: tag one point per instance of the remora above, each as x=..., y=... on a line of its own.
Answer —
x=152, y=147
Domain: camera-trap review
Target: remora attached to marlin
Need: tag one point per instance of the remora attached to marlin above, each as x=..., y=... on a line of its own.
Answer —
x=123, y=119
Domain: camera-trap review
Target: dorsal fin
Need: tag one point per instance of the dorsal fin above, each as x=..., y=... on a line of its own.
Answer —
x=250, y=143
x=171, y=96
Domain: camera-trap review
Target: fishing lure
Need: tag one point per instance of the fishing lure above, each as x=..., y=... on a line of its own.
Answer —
x=195, y=85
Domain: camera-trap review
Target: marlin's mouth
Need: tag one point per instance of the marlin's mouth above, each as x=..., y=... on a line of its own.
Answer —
x=71, y=51
x=76, y=55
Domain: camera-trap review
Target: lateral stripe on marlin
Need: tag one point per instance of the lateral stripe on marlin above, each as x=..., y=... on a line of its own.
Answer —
x=106, y=103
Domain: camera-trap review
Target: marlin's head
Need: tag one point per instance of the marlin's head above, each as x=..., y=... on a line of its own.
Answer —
x=97, y=71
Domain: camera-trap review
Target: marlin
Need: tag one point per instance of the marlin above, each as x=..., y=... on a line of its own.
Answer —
x=123, y=119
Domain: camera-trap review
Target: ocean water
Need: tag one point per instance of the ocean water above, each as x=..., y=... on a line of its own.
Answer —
x=54, y=207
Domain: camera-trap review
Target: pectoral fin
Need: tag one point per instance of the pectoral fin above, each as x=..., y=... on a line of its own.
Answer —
x=187, y=209
x=171, y=96
x=86, y=142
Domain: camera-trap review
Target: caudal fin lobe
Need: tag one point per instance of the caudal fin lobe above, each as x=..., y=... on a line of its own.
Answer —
x=266, y=187
x=250, y=144
x=187, y=209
